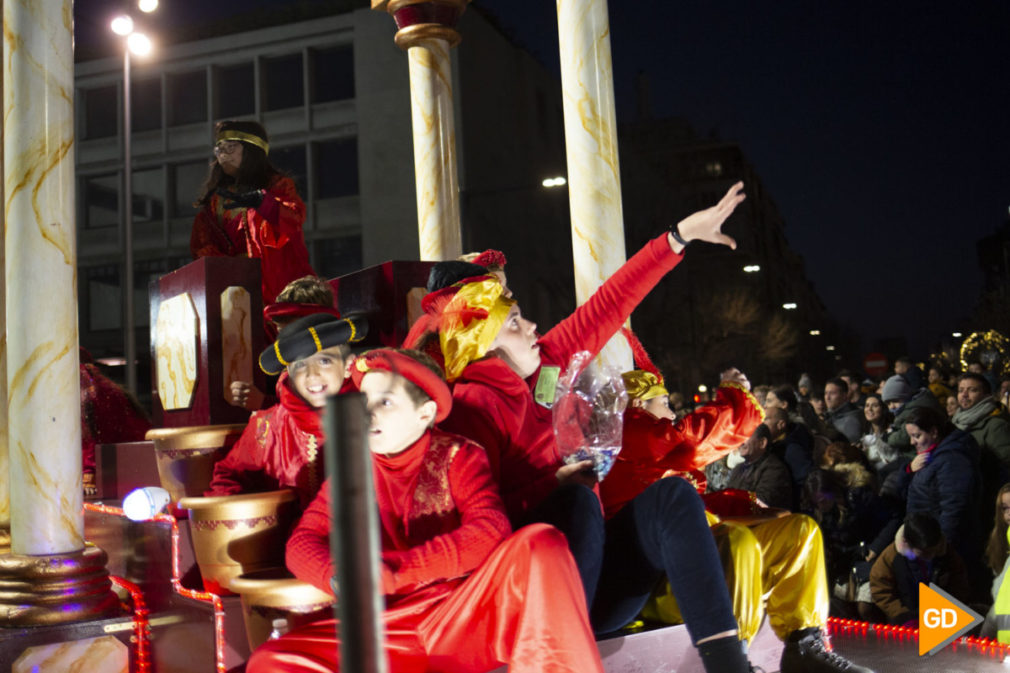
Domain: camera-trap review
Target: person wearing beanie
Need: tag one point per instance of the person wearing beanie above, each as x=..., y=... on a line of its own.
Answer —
x=281, y=446
x=248, y=208
x=901, y=400
x=505, y=379
x=461, y=594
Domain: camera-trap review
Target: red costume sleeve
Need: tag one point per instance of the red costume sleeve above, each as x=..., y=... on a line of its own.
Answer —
x=483, y=525
x=594, y=322
x=279, y=218
x=248, y=455
x=205, y=238
x=656, y=447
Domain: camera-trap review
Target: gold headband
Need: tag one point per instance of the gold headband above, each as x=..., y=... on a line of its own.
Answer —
x=470, y=323
x=643, y=385
x=246, y=138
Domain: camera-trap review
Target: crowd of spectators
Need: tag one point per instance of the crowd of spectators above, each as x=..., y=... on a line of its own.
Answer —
x=901, y=473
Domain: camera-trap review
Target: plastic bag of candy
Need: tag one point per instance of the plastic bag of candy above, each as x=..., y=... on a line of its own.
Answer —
x=588, y=413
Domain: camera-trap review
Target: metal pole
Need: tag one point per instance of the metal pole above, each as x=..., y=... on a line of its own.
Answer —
x=354, y=535
x=129, y=335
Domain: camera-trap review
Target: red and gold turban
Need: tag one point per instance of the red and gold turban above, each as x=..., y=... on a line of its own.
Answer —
x=469, y=321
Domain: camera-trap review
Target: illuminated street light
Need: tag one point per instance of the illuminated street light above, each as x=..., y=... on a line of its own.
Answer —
x=147, y=6
x=956, y=335
x=789, y=306
x=702, y=388
x=815, y=332
x=752, y=268
x=829, y=348
x=139, y=44
x=122, y=25
x=555, y=182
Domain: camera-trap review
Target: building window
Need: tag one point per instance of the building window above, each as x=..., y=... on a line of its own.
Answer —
x=187, y=180
x=187, y=97
x=336, y=168
x=291, y=161
x=145, y=104
x=148, y=195
x=236, y=91
x=332, y=74
x=283, y=82
x=100, y=112
x=105, y=302
x=101, y=201
x=334, y=257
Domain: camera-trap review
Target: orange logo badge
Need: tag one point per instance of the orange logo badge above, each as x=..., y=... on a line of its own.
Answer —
x=942, y=618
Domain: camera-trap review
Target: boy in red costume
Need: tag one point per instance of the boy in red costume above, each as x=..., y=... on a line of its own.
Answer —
x=778, y=560
x=281, y=446
x=457, y=597
x=505, y=381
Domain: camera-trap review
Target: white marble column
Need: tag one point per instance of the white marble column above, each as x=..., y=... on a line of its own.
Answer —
x=435, y=172
x=41, y=280
x=5, y=496
x=594, y=180
x=426, y=29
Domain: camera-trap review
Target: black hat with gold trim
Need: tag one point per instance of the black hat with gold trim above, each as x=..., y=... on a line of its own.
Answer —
x=309, y=335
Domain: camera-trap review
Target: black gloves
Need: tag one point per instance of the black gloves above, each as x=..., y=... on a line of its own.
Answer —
x=251, y=199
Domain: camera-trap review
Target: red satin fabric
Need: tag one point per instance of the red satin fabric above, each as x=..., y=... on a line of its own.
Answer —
x=524, y=606
x=271, y=233
x=273, y=451
x=653, y=448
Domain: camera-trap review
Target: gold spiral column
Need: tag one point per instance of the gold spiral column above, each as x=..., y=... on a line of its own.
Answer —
x=50, y=576
x=594, y=179
x=427, y=31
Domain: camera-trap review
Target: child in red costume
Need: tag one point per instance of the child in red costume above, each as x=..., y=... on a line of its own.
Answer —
x=773, y=564
x=458, y=597
x=281, y=447
x=505, y=378
x=250, y=209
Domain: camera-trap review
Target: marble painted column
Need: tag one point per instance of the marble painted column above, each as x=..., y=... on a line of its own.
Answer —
x=594, y=180
x=67, y=579
x=426, y=30
x=5, y=496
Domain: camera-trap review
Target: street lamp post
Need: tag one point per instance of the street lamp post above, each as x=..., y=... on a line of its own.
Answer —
x=139, y=44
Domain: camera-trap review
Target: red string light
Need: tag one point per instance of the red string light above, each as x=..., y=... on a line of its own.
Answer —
x=203, y=596
x=141, y=628
x=993, y=648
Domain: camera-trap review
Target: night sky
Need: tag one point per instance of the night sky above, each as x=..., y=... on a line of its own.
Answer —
x=880, y=129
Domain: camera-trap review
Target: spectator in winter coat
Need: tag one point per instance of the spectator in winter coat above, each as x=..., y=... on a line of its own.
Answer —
x=843, y=416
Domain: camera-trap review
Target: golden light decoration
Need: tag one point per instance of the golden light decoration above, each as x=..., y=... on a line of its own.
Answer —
x=990, y=348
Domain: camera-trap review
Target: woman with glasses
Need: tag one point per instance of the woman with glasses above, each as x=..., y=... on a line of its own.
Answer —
x=248, y=208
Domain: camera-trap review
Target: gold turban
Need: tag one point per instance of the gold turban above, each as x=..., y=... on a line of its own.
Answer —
x=643, y=385
x=470, y=322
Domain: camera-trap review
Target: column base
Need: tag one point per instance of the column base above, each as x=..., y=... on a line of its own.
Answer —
x=56, y=589
x=5, y=539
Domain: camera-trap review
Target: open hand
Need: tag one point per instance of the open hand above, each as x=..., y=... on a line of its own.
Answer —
x=706, y=225
x=734, y=375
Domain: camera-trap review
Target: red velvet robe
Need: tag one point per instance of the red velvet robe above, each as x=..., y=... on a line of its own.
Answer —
x=108, y=416
x=497, y=409
x=457, y=597
x=271, y=233
x=653, y=448
x=281, y=447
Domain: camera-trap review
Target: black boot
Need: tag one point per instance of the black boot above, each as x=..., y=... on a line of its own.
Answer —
x=806, y=652
x=723, y=655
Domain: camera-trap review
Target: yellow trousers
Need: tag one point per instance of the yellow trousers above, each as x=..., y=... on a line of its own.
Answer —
x=776, y=565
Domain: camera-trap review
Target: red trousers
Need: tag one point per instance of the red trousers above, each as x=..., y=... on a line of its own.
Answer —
x=524, y=606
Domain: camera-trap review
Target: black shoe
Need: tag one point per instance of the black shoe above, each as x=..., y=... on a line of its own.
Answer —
x=755, y=669
x=805, y=652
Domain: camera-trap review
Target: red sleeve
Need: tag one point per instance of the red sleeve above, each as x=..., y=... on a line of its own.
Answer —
x=594, y=322
x=483, y=525
x=307, y=554
x=201, y=240
x=708, y=434
x=280, y=217
x=246, y=456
